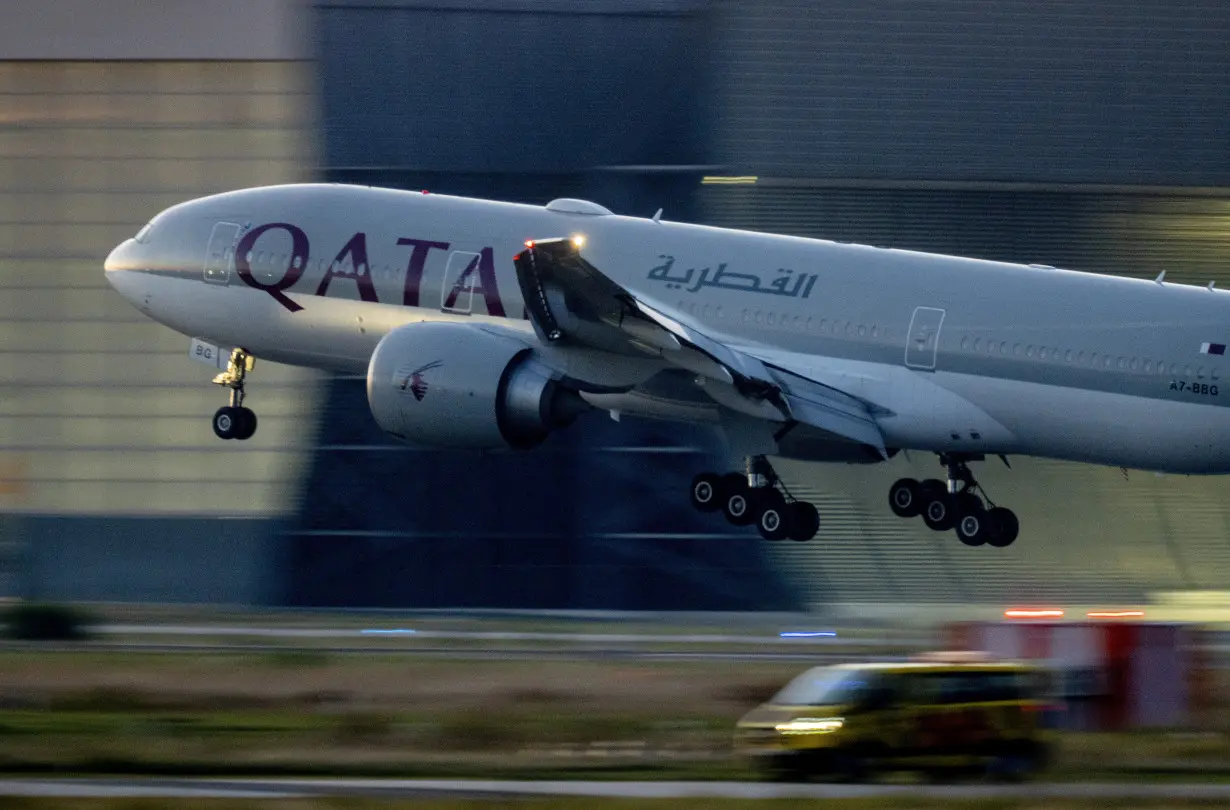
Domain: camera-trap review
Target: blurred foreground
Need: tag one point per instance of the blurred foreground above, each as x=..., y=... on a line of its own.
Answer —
x=497, y=698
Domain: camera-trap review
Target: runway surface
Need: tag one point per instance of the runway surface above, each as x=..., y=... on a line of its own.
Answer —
x=473, y=788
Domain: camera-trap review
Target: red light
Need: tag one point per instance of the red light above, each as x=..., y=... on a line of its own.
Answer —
x=1115, y=614
x=425, y=191
x=1033, y=614
x=529, y=243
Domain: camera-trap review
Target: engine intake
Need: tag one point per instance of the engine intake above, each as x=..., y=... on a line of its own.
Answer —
x=459, y=385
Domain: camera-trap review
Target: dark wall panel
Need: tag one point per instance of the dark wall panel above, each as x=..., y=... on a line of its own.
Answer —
x=1041, y=90
x=511, y=86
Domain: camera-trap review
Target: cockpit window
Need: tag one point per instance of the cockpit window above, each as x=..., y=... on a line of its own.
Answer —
x=143, y=234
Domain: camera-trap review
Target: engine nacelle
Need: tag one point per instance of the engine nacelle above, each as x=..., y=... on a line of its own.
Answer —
x=457, y=385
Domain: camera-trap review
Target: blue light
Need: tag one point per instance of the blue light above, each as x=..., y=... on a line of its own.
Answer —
x=809, y=634
x=397, y=631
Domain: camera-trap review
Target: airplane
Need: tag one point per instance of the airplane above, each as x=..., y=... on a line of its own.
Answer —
x=486, y=324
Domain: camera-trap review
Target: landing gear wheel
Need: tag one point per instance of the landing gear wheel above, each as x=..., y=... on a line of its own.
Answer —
x=737, y=500
x=707, y=492
x=804, y=521
x=938, y=508
x=772, y=519
x=973, y=527
x=1004, y=527
x=247, y=424
x=905, y=498
x=235, y=421
x=228, y=422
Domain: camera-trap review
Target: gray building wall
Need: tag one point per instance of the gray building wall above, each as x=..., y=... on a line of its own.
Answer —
x=111, y=111
x=1023, y=90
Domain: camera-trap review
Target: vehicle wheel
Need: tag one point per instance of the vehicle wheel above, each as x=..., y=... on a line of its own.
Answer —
x=938, y=512
x=973, y=527
x=804, y=521
x=1004, y=527
x=787, y=768
x=1013, y=764
x=772, y=517
x=737, y=503
x=707, y=492
x=227, y=422
x=247, y=424
x=905, y=498
x=850, y=766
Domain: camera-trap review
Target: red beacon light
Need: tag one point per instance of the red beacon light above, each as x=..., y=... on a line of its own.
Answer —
x=1027, y=613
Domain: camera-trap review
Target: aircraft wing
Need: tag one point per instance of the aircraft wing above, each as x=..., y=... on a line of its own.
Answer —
x=568, y=300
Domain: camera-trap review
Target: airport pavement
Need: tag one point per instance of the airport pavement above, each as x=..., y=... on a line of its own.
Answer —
x=489, y=789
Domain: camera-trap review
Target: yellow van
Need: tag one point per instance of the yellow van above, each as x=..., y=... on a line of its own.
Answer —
x=938, y=716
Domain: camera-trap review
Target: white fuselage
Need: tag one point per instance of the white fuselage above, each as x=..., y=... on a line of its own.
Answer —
x=956, y=355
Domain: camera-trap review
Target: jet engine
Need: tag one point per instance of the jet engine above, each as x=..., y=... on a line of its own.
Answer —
x=459, y=385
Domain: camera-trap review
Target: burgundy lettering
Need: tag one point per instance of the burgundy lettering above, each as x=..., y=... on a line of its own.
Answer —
x=485, y=265
x=294, y=270
x=358, y=271
x=414, y=269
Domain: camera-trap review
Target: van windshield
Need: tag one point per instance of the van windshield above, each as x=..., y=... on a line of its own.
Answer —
x=824, y=686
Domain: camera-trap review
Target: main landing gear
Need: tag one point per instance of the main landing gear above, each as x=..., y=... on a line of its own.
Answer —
x=954, y=505
x=234, y=421
x=759, y=497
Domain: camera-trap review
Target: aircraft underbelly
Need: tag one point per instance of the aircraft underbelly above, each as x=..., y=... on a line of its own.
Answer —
x=1103, y=427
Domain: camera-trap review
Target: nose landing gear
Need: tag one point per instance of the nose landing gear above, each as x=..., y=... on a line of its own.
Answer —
x=234, y=421
x=955, y=505
x=756, y=497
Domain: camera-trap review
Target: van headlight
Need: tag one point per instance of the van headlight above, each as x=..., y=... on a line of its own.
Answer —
x=811, y=725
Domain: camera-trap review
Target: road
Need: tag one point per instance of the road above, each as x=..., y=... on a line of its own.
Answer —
x=483, y=789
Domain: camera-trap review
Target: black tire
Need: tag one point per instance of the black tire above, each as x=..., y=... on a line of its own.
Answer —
x=1004, y=527
x=973, y=527
x=247, y=424
x=787, y=768
x=939, y=512
x=737, y=502
x=804, y=521
x=706, y=492
x=905, y=498
x=772, y=516
x=227, y=422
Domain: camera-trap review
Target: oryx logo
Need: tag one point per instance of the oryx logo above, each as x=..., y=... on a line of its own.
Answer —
x=414, y=380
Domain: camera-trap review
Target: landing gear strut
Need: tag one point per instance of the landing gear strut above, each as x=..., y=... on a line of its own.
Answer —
x=756, y=496
x=955, y=504
x=234, y=421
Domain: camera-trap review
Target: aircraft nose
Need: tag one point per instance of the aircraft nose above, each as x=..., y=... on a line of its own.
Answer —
x=120, y=257
x=118, y=262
